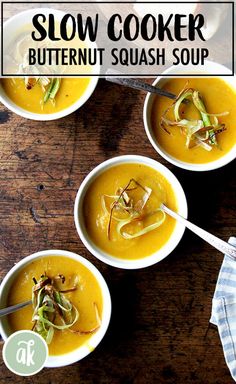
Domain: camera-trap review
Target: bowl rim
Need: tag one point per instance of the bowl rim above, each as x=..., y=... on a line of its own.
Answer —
x=77, y=354
x=157, y=256
x=215, y=164
x=93, y=80
x=4, y=99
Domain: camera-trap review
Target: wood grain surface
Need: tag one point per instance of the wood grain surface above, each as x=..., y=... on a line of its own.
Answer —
x=159, y=330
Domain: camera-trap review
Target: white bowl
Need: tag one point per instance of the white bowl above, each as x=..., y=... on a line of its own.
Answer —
x=84, y=350
x=10, y=28
x=210, y=67
x=4, y=99
x=124, y=263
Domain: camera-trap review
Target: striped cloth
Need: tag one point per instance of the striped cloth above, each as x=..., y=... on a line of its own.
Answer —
x=224, y=310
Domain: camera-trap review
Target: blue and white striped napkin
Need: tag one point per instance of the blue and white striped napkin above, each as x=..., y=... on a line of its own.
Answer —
x=224, y=309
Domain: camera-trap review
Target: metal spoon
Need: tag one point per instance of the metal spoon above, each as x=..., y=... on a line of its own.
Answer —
x=14, y=308
x=137, y=84
x=217, y=243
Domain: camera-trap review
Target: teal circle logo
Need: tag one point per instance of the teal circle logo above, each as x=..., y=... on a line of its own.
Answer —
x=25, y=353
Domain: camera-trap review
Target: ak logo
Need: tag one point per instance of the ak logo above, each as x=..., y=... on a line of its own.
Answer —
x=25, y=353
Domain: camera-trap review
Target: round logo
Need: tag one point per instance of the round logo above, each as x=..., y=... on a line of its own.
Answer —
x=25, y=353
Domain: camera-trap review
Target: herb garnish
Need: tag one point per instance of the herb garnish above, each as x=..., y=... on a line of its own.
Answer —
x=52, y=310
x=126, y=210
x=50, y=87
x=201, y=132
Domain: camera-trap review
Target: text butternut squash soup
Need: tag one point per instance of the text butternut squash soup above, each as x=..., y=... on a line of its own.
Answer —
x=44, y=95
x=67, y=302
x=122, y=211
x=200, y=125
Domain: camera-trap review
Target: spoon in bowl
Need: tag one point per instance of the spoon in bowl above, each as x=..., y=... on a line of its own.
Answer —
x=217, y=243
x=14, y=308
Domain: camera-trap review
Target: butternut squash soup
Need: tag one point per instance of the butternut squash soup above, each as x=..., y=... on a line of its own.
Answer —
x=122, y=211
x=67, y=302
x=45, y=95
x=200, y=126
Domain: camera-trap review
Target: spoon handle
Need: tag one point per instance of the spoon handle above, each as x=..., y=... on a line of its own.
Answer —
x=13, y=308
x=142, y=86
x=219, y=244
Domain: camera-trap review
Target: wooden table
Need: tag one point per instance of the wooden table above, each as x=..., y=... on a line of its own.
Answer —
x=159, y=330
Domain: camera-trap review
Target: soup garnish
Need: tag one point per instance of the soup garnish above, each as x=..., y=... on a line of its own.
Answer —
x=122, y=203
x=49, y=87
x=200, y=132
x=53, y=310
x=127, y=207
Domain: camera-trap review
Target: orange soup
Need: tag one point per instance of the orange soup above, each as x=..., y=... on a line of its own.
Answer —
x=32, y=100
x=122, y=211
x=218, y=98
x=84, y=298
